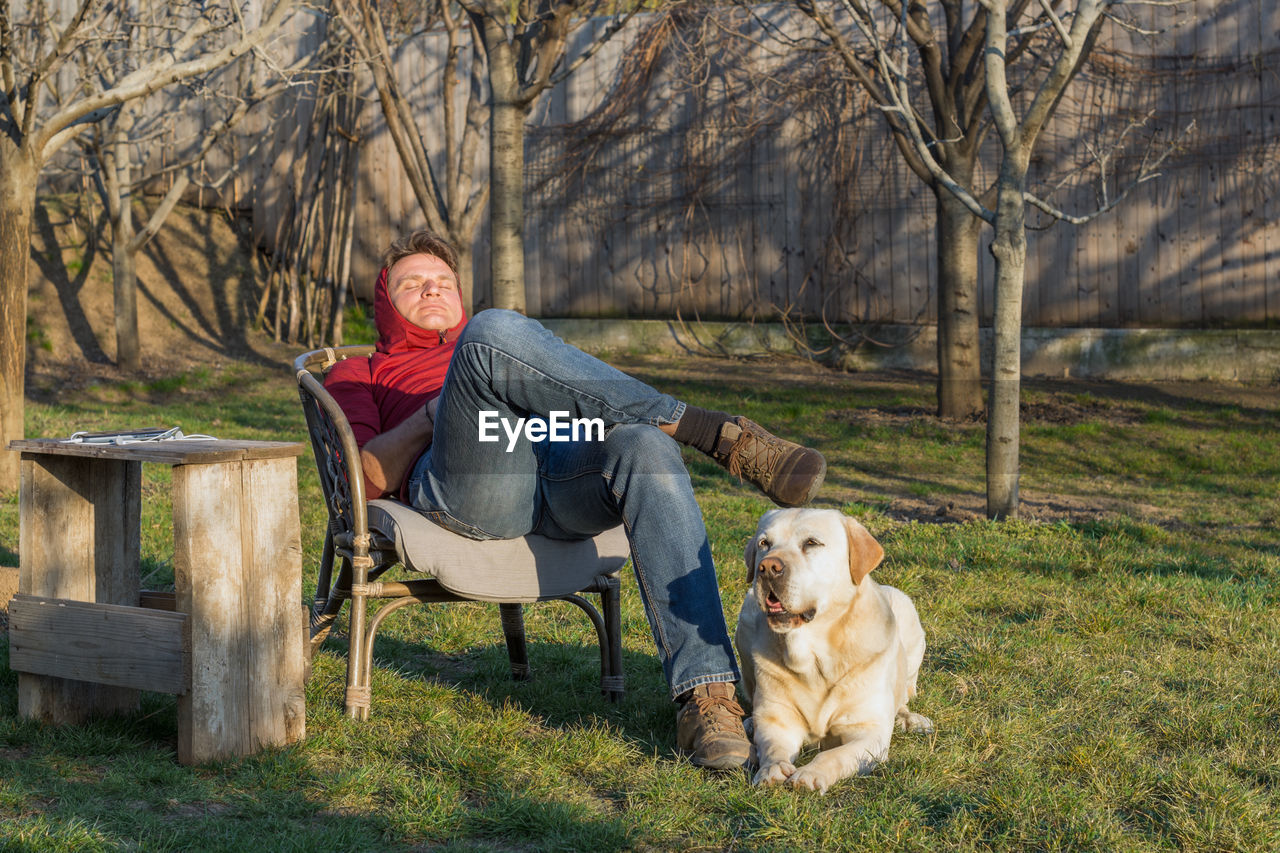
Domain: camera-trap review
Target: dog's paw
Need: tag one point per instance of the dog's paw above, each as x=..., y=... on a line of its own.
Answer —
x=814, y=780
x=774, y=774
x=915, y=723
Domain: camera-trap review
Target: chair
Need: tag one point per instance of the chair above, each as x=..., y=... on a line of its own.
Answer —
x=370, y=537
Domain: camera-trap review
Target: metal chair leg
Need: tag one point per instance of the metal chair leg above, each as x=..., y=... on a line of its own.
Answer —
x=359, y=651
x=513, y=631
x=611, y=604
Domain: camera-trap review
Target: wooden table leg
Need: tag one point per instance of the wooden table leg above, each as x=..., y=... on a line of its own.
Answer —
x=79, y=540
x=238, y=574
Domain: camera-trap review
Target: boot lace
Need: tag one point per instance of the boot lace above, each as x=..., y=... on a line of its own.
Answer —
x=754, y=456
x=719, y=713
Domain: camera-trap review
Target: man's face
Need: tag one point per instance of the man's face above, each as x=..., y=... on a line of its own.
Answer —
x=425, y=292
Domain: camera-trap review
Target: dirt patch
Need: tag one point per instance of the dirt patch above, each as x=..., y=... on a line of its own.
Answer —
x=198, y=284
x=1063, y=412
x=958, y=509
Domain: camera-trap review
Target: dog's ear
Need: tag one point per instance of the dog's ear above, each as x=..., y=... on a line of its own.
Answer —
x=865, y=552
x=749, y=557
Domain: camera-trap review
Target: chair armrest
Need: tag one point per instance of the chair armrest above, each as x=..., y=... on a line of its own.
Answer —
x=334, y=444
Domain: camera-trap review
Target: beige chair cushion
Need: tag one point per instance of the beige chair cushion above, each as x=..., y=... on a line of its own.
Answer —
x=505, y=570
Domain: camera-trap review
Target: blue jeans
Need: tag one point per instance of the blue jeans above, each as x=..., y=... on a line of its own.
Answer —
x=512, y=367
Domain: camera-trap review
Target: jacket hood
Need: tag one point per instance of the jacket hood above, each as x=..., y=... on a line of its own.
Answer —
x=396, y=334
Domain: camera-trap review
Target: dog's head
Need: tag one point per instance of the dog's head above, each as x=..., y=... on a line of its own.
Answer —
x=801, y=561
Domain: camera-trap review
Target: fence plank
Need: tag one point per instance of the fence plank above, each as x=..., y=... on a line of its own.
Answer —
x=1199, y=246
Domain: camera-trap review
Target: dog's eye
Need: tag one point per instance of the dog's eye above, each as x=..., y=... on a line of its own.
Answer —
x=765, y=544
x=810, y=543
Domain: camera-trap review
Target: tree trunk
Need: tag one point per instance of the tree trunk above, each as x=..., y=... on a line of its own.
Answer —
x=959, y=362
x=123, y=270
x=125, y=282
x=18, y=171
x=1010, y=251
x=466, y=275
x=506, y=204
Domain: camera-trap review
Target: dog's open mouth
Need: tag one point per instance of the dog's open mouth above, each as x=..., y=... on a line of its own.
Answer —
x=779, y=615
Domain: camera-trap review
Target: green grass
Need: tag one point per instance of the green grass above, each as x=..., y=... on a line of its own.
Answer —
x=1103, y=675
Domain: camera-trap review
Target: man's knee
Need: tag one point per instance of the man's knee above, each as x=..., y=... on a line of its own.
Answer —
x=647, y=456
x=493, y=326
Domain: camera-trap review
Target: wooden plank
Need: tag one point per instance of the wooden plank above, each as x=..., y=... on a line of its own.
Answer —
x=913, y=242
x=1098, y=239
x=771, y=265
x=878, y=307
x=1062, y=308
x=1269, y=129
x=1210, y=244
x=270, y=580
x=1248, y=247
x=99, y=643
x=158, y=600
x=166, y=452
x=1091, y=280
x=237, y=569
x=79, y=539
x=1239, y=302
x=794, y=203
x=1131, y=232
x=1144, y=216
x=1167, y=192
x=1193, y=208
x=1035, y=280
x=213, y=717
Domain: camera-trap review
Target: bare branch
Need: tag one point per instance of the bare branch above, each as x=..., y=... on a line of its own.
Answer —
x=1057, y=23
x=1149, y=171
x=612, y=30
x=69, y=121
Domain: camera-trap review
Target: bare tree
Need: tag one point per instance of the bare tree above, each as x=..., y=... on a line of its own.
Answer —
x=524, y=50
x=110, y=148
x=451, y=201
x=950, y=80
x=1061, y=35
x=34, y=48
x=310, y=268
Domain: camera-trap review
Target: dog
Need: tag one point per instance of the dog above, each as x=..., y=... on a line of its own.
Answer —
x=828, y=655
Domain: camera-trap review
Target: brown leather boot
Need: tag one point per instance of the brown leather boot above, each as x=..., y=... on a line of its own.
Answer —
x=788, y=473
x=709, y=728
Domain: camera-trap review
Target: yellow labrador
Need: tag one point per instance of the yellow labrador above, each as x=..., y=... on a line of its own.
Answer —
x=828, y=655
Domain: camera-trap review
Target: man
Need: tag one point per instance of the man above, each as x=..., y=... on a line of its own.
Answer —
x=418, y=407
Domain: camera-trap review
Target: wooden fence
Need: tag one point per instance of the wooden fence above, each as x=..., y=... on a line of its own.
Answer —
x=720, y=196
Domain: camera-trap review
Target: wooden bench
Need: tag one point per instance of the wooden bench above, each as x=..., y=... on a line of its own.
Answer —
x=232, y=644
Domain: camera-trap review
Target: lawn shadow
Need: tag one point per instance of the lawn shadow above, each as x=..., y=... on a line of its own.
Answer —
x=119, y=776
x=563, y=688
x=68, y=288
x=224, y=330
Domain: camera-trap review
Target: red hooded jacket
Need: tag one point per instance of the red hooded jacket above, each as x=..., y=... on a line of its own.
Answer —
x=408, y=370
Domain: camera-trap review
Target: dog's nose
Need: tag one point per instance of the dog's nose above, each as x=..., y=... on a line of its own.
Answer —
x=772, y=566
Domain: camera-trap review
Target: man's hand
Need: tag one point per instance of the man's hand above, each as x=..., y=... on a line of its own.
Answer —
x=386, y=458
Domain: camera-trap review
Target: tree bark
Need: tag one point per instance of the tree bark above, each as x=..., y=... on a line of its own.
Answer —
x=18, y=171
x=959, y=363
x=466, y=277
x=506, y=204
x=116, y=179
x=1010, y=251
